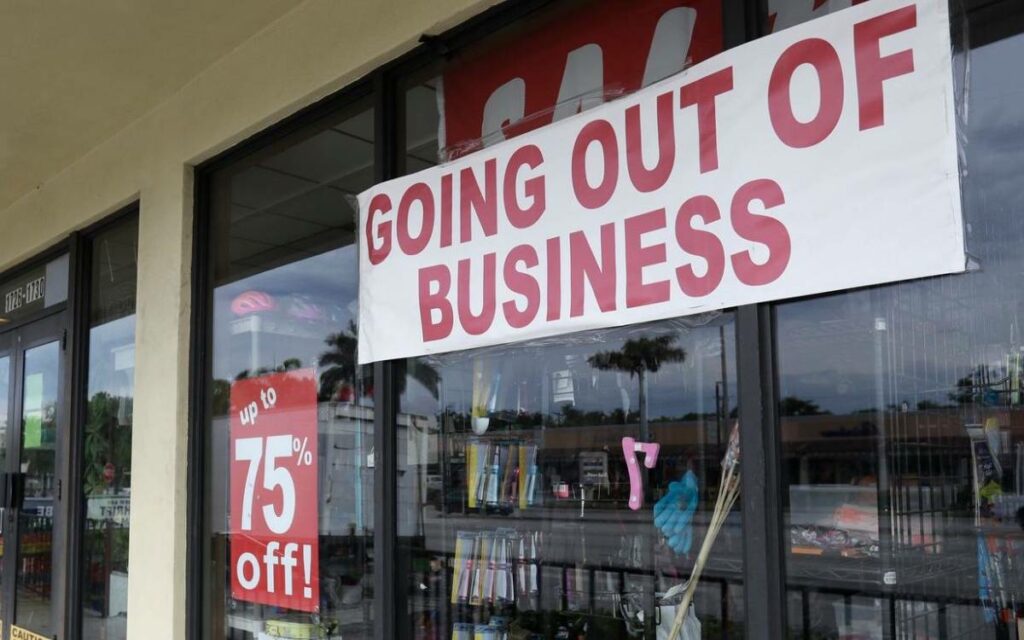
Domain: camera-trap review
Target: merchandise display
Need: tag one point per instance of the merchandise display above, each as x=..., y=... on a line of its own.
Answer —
x=565, y=500
x=502, y=475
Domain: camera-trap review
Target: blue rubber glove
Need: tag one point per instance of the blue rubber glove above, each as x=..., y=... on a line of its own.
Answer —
x=673, y=514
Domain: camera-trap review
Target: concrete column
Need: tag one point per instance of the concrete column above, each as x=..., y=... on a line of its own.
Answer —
x=158, y=549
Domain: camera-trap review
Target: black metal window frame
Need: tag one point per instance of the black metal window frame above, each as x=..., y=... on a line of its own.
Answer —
x=79, y=304
x=763, y=553
x=73, y=322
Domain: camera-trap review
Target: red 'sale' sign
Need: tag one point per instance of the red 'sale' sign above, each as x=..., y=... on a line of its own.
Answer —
x=577, y=58
x=274, y=544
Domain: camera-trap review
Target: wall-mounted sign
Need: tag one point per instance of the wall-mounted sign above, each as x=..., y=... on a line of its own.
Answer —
x=817, y=159
x=24, y=295
x=34, y=290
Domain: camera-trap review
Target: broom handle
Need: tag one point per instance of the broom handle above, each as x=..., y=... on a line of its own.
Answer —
x=721, y=507
x=691, y=587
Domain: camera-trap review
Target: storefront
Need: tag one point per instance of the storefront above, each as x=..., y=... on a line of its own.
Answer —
x=198, y=356
x=67, y=354
x=484, y=493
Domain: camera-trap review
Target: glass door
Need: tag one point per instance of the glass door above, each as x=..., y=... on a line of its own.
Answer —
x=6, y=409
x=32, y=420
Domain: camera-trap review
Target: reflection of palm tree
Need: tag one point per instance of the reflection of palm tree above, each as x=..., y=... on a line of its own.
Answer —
x=637, y=357
x=290, y=364
x=339, y=361
x=106, y=442
x=340, y=366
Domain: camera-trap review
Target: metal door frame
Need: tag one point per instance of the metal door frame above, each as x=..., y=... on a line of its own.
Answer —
x=14, y=343
x=7, y=350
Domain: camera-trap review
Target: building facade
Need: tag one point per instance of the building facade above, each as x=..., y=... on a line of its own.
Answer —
x=158, y=288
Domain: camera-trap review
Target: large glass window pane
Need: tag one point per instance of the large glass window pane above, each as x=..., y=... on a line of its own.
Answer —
x=33, y=603
x=514, y=514
x=530, y=505
x=5, y=407
x=901, y=411
x=107, y=437
x=284, y=307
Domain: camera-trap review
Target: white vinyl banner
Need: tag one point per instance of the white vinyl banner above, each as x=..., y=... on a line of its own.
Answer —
x=820, y=158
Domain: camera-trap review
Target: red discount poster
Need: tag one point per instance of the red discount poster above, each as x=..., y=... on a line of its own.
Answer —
x=274, y=546
x=579, y=58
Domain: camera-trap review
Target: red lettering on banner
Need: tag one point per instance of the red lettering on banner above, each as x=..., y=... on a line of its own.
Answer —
x=273, y=495
x=446, y=210
x=703, y=93
x=823, y=57
x=484, y=203
x=760, y=228
x=703, y=244
x=610, y=218
x=419, y=192
x=644, y=179
x=873, y=68
x=381, y=203
x=521, y=216
x=638, y=256
x=476, y=324
x=431, y=301
x=583, y=266
x=554, y=281
x=602, y=133
x=518, y=281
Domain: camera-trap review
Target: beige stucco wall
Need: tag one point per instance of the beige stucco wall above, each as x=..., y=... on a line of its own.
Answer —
x=311, y=52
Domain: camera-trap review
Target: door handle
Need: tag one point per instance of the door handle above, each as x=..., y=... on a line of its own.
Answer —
x=14, y=497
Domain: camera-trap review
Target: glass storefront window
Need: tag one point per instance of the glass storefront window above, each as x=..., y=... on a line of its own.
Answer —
x=514, y=516
x=901, y=412
x=33, y=601
x=898, y=406
x=529, y=505
x=107, y=436
x=289, y=477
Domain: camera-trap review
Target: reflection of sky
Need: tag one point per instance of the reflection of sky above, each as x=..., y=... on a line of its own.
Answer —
x=518, y=370
x=105, y=341
x=44, y=361
x=937, y=330
x=329, y=281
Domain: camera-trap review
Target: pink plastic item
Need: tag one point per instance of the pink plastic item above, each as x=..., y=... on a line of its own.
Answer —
x=630, y=448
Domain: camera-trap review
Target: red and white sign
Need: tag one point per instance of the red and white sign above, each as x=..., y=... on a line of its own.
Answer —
x=816, y=159
x=578, y=58
x=783, y=14
x=274, y=544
